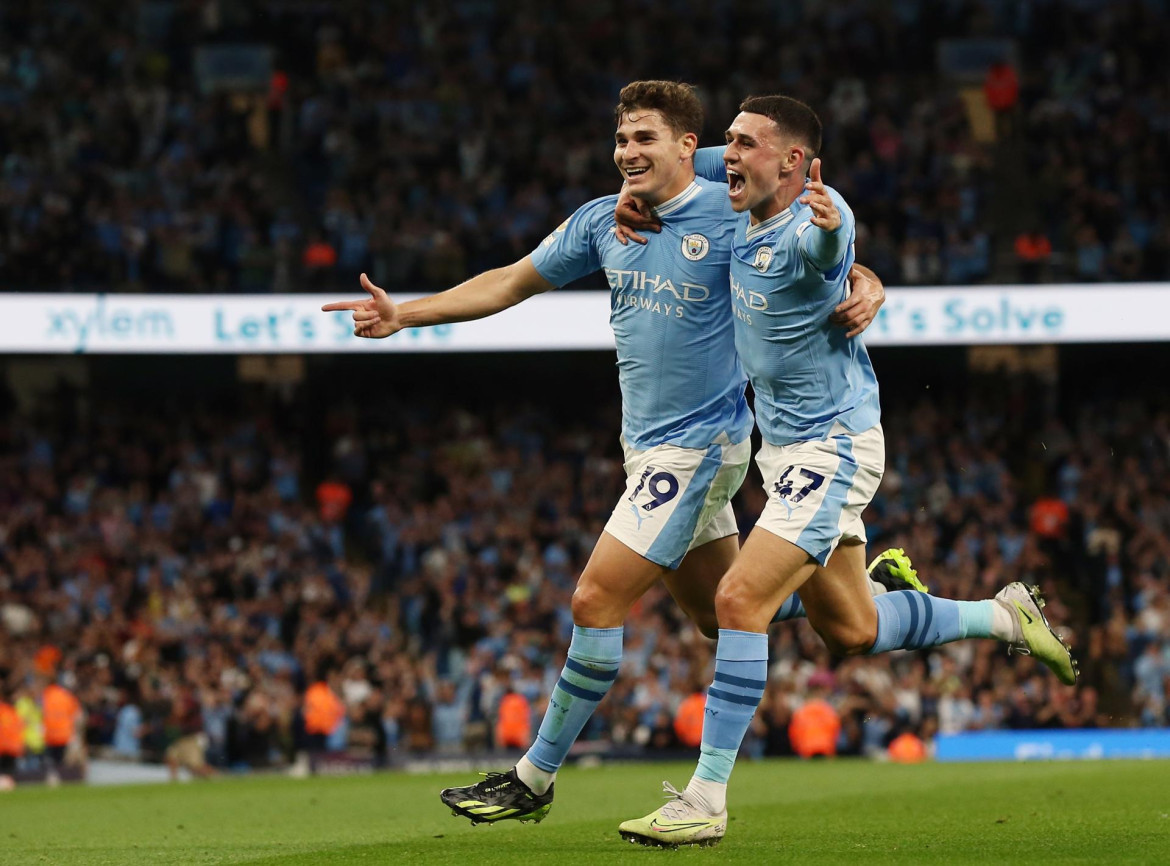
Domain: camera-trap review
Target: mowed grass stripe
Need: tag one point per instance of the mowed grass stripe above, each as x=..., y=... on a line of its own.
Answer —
x=781, y=812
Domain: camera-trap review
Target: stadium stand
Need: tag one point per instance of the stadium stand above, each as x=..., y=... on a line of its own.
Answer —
x=174, y=545
x=425, y=143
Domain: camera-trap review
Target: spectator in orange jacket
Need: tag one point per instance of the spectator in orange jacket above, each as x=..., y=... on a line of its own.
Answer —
x=907, y=748
x=688, y=721
x=11, y=742
x=815, y=726
x=323, y=711
x=62, y=712
x=514, y=722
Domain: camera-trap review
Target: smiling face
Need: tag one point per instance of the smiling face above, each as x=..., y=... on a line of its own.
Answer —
x=655, y=160
x=764, y=171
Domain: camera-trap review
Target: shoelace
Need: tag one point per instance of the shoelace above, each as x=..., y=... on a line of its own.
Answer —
x=678, y=808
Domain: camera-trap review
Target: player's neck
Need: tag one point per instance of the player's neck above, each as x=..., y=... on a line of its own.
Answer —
x=786, y=194
x=676, y=188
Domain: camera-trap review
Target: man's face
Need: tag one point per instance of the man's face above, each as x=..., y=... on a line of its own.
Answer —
x=755, y=157
x=651, y=155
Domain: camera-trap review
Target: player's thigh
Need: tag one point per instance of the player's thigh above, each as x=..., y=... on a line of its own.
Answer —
x=694, y=582
x=767, y=570
x=839, y=603
x=614, y=578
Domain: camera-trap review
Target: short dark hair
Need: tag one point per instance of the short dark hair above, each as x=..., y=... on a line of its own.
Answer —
x=677, y=102
x=793, y=117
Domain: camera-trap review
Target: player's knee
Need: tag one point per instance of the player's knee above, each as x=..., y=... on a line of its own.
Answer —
x=593, y=607
x=734, y=607
x=844, y=639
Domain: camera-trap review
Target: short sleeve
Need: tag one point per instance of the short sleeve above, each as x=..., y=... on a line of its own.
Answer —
x=570, y=252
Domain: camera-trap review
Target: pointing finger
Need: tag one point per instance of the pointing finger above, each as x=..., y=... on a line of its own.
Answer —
x=343, y=305
x=814, y=171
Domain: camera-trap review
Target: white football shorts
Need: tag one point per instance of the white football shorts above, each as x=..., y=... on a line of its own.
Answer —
x=817, y=490
x=677, y=499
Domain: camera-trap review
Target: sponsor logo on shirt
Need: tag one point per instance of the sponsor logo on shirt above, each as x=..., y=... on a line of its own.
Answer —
x=653, y=292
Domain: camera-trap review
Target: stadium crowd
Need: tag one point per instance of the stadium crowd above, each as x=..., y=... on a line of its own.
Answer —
x=427, y=142
x=184, y=574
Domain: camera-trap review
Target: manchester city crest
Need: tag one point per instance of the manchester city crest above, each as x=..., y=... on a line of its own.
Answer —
x=694, y=247
x=763, y=259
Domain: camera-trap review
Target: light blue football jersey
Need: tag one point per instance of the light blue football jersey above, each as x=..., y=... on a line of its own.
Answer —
x=807, y=376
x=682, y=382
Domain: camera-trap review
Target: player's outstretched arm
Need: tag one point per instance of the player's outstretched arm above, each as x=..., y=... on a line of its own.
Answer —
x=479, y=297
x=858, y=311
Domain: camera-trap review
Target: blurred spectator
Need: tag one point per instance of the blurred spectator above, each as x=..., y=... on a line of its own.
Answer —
x=11, y=741
x=188, y=749
x=323, y=712
x=399, y=139
x=815, y=723
x=127, y=738
x=1001, y=87
x=688, y=719
x=907, y=748
x=514, y=722
x=1033, y=252
x=61, y=714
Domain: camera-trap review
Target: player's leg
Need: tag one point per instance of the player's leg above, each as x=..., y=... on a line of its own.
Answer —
x=851, y=623
x=614, y=578
x=675, y=514
x=915, y=620
x=840, y=606
x=767, y=570
x=715, y=536
x=668, y=493
x=809, y=486
x=694, y=582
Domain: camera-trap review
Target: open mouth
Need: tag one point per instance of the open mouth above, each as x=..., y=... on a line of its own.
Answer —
x=632, y=173
x=735, y=182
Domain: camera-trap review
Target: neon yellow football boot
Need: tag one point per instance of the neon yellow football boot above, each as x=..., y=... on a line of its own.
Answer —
x=1034, y=636
x=677, y=823
x=892, y=569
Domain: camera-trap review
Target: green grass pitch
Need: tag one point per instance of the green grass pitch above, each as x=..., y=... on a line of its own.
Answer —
x=781, y=812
